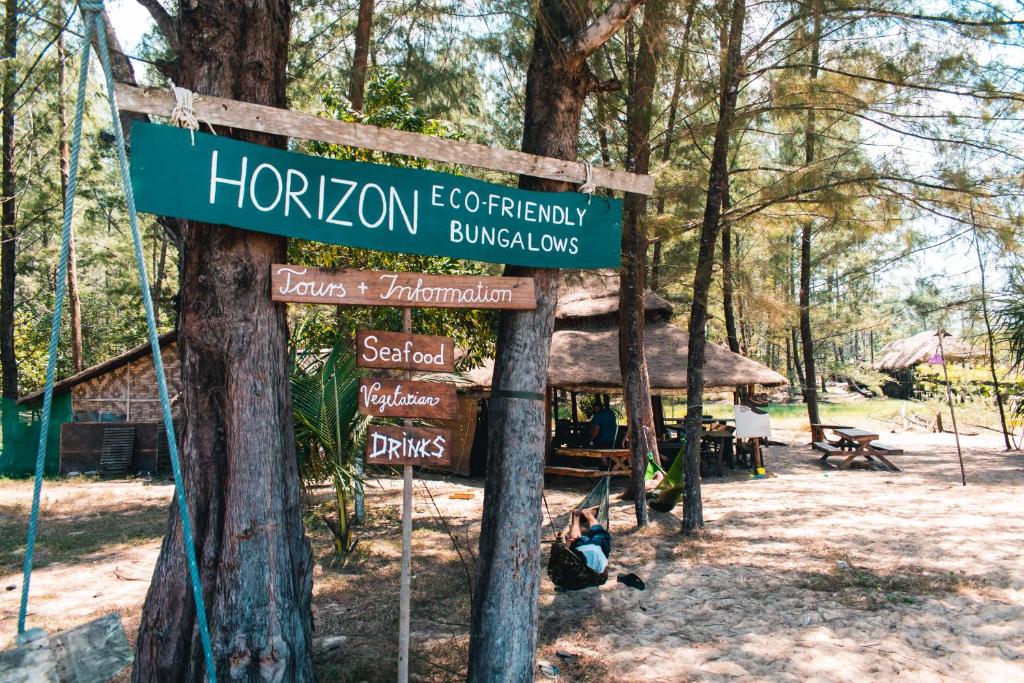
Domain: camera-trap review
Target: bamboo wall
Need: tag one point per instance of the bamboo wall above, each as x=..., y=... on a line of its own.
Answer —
x=128, y=393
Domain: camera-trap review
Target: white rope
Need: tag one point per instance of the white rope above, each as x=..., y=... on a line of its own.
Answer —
x=588, y=187
x=184, y=115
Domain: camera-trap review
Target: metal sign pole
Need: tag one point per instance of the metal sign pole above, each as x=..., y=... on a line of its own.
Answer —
x=406, y=582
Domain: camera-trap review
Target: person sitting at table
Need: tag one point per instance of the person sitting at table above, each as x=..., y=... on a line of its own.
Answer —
x=604, y=426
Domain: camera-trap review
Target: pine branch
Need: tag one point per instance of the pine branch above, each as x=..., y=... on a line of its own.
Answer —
x=604, y=27
x=167, y=23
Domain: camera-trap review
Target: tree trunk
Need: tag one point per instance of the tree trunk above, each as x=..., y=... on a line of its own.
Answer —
x=806, y=337
x=158, y=283
x=693, y=512
x=74, y=299
x=673, y=104
x=240, y=471
x=503, y=634
x=357, y=81
x=991, y=338
x=727, y=285
x=9, y=229
x=636, y=385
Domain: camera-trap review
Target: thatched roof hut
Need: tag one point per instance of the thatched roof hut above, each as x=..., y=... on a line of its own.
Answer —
x=591, y=298
x=919, y=348
x=588, y=361
x=585, y=346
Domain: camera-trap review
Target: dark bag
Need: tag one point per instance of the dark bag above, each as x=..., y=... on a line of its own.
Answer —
x=569, y=571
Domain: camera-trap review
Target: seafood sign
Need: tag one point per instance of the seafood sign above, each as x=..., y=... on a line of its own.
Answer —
x=406, y=398
x=387, y=445
x=220, y=180
x=302, y=284
x=380, y=349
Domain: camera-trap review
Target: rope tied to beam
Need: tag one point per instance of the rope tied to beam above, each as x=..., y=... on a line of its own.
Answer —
x=588, y=187
x=184, y=115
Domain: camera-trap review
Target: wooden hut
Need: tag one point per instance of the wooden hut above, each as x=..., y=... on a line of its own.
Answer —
x=900, y=358
x=116, y=423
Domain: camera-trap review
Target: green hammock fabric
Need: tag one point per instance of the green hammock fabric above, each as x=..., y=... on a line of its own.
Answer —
x=598, y=497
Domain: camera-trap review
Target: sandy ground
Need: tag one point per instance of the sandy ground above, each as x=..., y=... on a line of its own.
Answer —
x=810, y=574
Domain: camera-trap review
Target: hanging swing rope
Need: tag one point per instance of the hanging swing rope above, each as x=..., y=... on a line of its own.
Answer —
x=92, y=15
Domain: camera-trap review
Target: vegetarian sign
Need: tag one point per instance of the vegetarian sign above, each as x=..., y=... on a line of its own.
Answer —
x=407, y=398
x=220, y=180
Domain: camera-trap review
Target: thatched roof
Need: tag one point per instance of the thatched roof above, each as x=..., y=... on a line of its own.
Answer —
x=594, y=295
x=106, y=366
x=588, y=360
x=905, y=353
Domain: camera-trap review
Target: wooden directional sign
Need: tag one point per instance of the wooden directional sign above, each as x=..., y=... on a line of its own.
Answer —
x=216, y=179
x=302, y=284
x=379, y=349
x=406, y=398
x=387, y=445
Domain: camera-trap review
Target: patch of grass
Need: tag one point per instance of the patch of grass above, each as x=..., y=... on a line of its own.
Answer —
x=69, y=537
x=867, y=589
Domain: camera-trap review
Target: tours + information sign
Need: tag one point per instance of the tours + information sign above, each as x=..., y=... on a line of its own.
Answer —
x=306, y=285
x=357, y=204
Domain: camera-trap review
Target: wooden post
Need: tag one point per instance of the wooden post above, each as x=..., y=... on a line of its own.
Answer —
x=575, y=419
x=658, y=408
x=405, y=589
x=549, y=399
x=952, y=412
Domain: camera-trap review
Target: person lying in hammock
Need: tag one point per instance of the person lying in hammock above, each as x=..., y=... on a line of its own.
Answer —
x=594, y=546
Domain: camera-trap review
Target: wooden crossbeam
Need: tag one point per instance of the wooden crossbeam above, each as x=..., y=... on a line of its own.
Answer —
x=263, y=119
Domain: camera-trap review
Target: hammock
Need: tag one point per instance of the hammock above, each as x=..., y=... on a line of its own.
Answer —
x=566, y=567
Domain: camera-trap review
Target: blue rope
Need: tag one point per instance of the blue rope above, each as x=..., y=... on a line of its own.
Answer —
x=93, y=18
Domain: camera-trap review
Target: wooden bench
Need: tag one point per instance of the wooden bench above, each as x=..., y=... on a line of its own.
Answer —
x=574, y=472
x=890, y=450
x=618, y=457
x=826, y=447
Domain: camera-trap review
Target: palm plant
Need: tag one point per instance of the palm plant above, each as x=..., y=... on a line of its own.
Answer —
x=328, y=425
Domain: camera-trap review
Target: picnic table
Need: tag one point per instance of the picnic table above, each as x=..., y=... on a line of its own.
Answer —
x=618, y=460
x=818, y=430
x=854, y=443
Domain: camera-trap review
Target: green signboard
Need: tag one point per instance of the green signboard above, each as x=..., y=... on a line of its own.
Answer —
x=220, y=180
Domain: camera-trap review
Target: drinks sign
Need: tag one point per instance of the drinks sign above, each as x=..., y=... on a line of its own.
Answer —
x=387, y=445
x=220, y=180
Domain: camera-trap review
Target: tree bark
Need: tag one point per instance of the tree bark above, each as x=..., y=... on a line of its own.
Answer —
x=991, y=338
x=357, y=81
x=806, y=336
x=727, y=284
x=636, y=385
x=74, y=299
x=8, y=216
x=693, y=512
x=503, y=634
x=240, y=471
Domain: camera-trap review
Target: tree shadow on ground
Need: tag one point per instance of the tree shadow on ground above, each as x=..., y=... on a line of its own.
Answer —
x=78, y=539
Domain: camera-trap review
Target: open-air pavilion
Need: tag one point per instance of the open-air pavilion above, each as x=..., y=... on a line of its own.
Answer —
x=585, y=358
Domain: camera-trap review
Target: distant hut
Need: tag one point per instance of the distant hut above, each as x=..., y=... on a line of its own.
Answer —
x=900, y=358
x=115, y=424
x=585, y=354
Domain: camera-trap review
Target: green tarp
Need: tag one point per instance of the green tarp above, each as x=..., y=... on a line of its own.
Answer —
x=21, y=436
